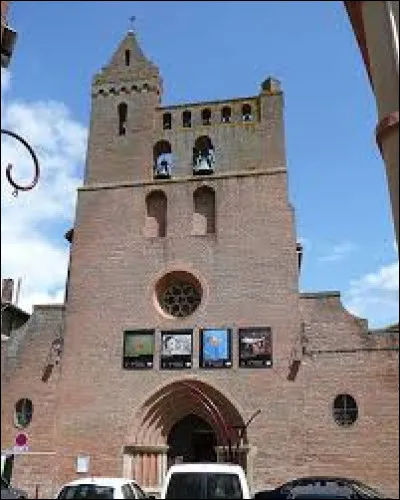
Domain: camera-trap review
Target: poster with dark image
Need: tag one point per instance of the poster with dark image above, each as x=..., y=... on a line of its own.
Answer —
x=215, y=348
x=255, y=347
x=176, y=349
x=138, y=349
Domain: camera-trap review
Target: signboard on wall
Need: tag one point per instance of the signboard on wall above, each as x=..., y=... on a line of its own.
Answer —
x=82, y=464
x=215, y=348
x=138, y=349
x=255, y=347
x=176, y=349
x=21, y=443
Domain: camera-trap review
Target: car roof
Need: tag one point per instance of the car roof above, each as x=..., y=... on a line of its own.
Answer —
x=322, y=478
x=101, y=481
x=206, y=467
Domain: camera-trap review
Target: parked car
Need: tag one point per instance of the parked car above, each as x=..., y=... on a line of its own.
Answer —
x=204, y=481
x=320, y=487
x=9, y=492
x=101, y=487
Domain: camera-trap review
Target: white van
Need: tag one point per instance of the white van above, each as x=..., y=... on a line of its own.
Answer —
x=204, y=481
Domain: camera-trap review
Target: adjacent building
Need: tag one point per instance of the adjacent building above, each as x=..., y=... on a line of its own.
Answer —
x=376, y=27
x=8, y=36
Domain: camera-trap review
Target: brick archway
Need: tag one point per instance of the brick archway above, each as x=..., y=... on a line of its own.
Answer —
x=146, y=450
x=162, y=410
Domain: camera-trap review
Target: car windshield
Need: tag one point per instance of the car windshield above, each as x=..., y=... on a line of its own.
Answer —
x=184, y=485
x=321, y=489
x=328, y=488
x=91, y=491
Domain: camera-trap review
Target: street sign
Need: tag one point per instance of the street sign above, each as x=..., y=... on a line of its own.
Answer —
x=21, y=443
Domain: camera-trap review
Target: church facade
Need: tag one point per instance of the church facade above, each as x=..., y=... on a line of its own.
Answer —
x=184, y=336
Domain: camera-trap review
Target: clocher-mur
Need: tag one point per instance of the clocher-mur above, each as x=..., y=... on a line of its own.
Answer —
x=184, y=335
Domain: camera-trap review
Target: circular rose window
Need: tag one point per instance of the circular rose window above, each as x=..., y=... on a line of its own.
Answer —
x=179, y=294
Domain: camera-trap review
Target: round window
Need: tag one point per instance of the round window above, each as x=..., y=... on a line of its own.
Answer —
x=23, y=413
x=179, y=294
x=345, y=410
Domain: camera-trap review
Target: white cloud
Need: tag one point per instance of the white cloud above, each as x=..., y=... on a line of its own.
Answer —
x=376, y=296
x=339, y=252
x=33, y=224
x=5, y=80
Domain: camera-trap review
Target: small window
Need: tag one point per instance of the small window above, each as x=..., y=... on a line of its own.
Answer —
x=246, y=113
x=345, y=410
x=122, y=117
x=127, y=57
x=204, y=210
x=156, y=214
x=23, y=413
x=206, y=116
x=226, y=114
x=167, y=121
x=186, y=119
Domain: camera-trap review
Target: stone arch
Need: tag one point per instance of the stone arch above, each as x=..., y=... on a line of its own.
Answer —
x=156, y=214
x=203, y=155
x=247, y=113
x=162, y=159
x=167, y=121
x=206, y=116
x=186, y=119
x=174, y=401
x=226, y=114
x=204, y=210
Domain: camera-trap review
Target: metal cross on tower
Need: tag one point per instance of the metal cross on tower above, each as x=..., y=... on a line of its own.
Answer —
x=132, y=19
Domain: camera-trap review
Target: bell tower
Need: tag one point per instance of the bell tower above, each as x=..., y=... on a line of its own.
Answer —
x=125, y=96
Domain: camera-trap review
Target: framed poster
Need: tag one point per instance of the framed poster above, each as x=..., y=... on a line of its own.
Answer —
x=215, y=348
x=255, y=347
x=176, y=349
x=138, y=349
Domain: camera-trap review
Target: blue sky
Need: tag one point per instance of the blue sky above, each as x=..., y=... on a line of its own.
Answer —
x=205, y=51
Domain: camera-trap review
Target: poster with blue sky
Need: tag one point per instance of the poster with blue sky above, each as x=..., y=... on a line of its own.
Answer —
x=215, y=348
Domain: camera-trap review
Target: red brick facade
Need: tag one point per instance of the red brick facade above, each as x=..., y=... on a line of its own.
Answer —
x=239, y=242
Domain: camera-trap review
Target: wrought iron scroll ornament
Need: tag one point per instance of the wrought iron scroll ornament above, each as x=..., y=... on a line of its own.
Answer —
x=17, y=187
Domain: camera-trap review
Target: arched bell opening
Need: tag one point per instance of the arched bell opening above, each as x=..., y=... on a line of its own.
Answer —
x=203, y=156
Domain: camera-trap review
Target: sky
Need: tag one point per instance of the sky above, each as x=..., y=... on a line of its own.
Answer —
x=205, y=51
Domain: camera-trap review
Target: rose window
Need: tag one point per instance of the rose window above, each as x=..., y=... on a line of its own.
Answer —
x=179, y=294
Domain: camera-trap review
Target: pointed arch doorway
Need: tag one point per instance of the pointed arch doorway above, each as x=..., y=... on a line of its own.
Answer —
x=191, y=439
x=183, y=421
